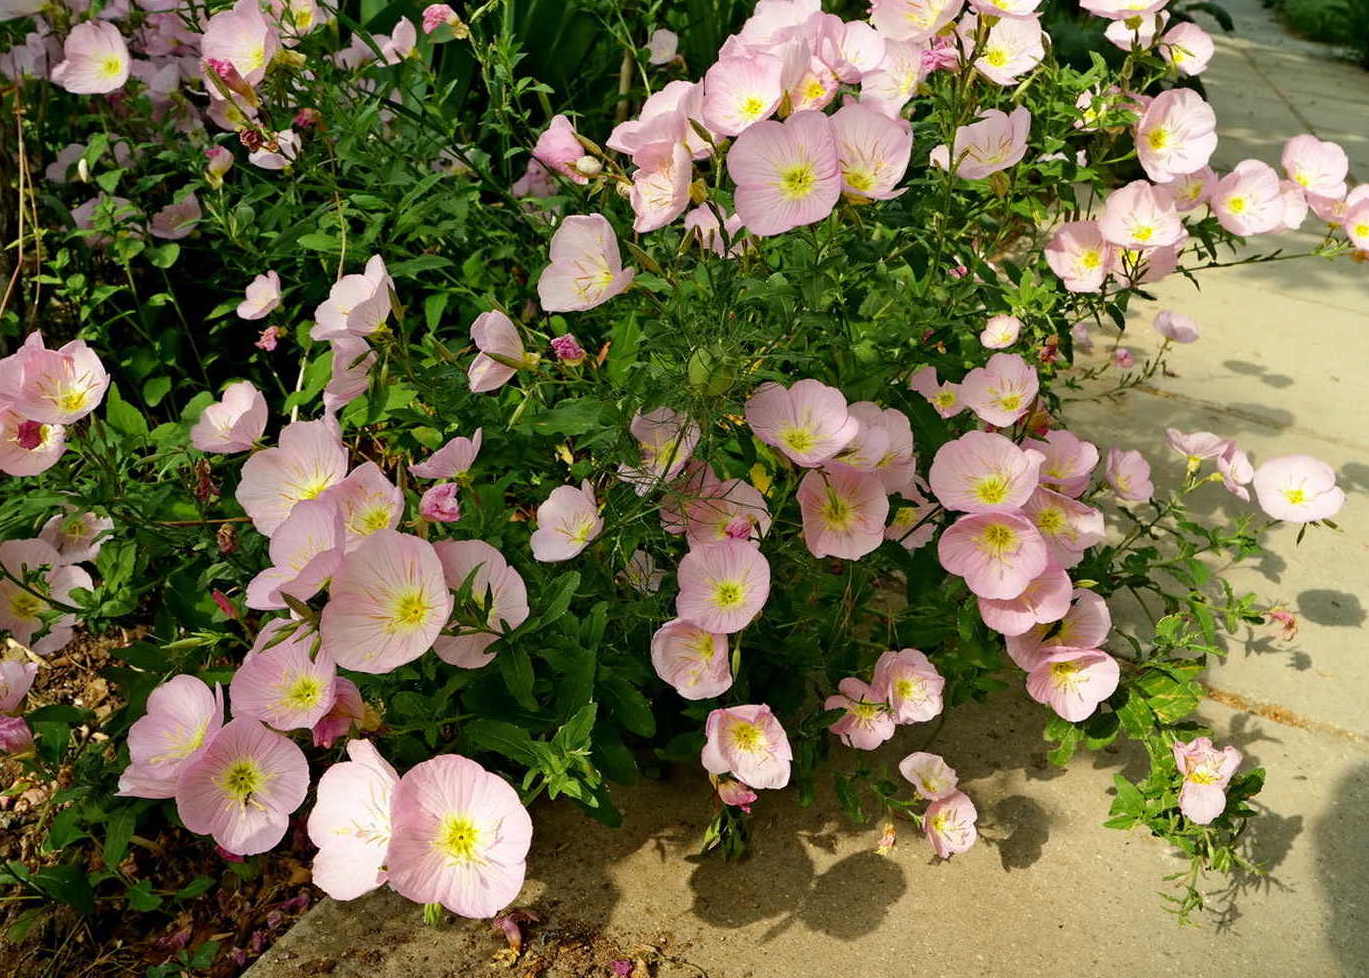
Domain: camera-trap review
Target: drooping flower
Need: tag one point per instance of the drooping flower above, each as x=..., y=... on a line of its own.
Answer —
x=16, y=677
x=910, y=684
x=1068, y=526
x=730, y=792
x=692, y=660
x=844, y=510
x=641, y=574
x=309, y=458
x=1140, y=215
x=666, y=440
x=262, y=296
x=1073, y=681
x=893, y=82
x=748, y=743
x=702, y=224
x=660, y=185
x=872, y=151
x=1136, y=32
x=1206, y=772
x=459, y=837
x=1177, y=134
x=981, y=472
x=931, y=777
x=1318, y=166
x=59, y=387
x=77, y=536
x=1249, y=200
x=1069, y=461
x=233, y=424
x=661, y=46
x=15, y=736
x=1298, y=489
x=786, y=173
x=867, y=722
x=809, y=422
x=998, y=554
x=1080, y=255
x=723, y=586
x=1236, y=471
x=437, y=14
x=348, y=712
x=944, y=397
x=1000, y=332
x=95, y=59
x=282, y=684
x=557, y=149
x=452, y=461
x=22, y=611
x=387, y=603
x=740, y=91
x=1045, y=600
x=497, y=591
x=400, y=44
x=1196, y=446
x=729, y=510
x=1187, y=47
x=1084, y=626
x=566, y=523
x=242, y=788
x=996, y=142
x=949, y=823
x=269, y=338
x=1175, y=326
x=586, y=268
x=351, y=823
x=1002, y=390
x=305, y=552
x=176, y=220
x=182, y=717
x=501, y=352
x=1128, y=473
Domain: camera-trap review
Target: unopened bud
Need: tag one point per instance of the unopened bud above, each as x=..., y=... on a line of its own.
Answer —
x=83, y=170
x=588, y=166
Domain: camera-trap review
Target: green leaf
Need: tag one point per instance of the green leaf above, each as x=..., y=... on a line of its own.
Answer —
x=165, y=255
x=1133, y=714
x=515, y=666
x=154, y=389
x=574, y=416
x=503, y=738
x=562, y=591
x=628, y=705
x=140, y=897
x=197, y=887
x=1169, y=699
x=574, y=734
x=117, y=835
x=1061, y=754
x=122, y=416
x=69, y=884
x=1129, y=800
x=316, y=241
x=65, y=830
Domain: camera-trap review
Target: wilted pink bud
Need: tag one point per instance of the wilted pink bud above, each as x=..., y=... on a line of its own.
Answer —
x=887, y=838
x=1287, y=622
x=29, y=435
x=439, y=503
x=223, y=75
x=568, y=349
x=231, y=857
x=220, y=161
x=1123, y=359
x=305, y=118
x=224, y=604
x=15, y=735
x=437, y=14
x=959, y=271
x=735, y=793
x=268, y=339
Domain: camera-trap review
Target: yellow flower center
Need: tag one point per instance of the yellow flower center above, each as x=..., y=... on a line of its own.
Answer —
x=997, y=539
x=751, y=108
x=1051, y=520
x=859, y=179
x=72, y=400
x=370, y=520
x=997, y=57
x=747, y=737
x=909, y=689
x=728, y=594
x=1010, y=402
x=242, y=779
x=111, y=66
x=1158, y=138
x=458, y=839
x=24, y=605
x=798, y=439
x=797, y=181
x=1143, y=232
x=1236, y=205
x=1295, y=496
x=991, y=490
x=302, y=694
x=836, y=512
x=409, y=610
x=1064, y=674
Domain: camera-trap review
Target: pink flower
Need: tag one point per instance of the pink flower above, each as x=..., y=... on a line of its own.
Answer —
x=867, y=722
x=58, y=387
x=1196, y=446
x=1084, y=626
x=501, y=352
x=244, y=38
x=242, y=788
x=368, y=502
x=459, y=837
x=352, y=359
x=996, y=142
x=440, y=504
x=1046, y=600
x=748, y=743
x=666, y=116
x=1191, y=189
x=844, y=511
x=1006, y=8
x=1356, y=223
x=908, y=682
x=1123, y=9
x=233, y=424
x=872, y=151
x=1187, y=47
x=16, y=678
x=1068, y=526
x=496, y=590
x=1136, y=32
x=1080, y=255
x=892, y=83
x=1249, y=200
x=661, y=46
x=586, y=268
x=949, y=824
x=1175, y=326
x=1176, y=135
x=278, y=154
x=535, y=182
x=568, y=350
x=175, y=221
x=357, y=305
x=347, y=712
x=809, y=422
x=666, y=439
x=660, y=187
x=309, y=459
x=914, y=509
x=702, y=224
x=387, y=603
x=740, y=91
x=729, y=793
x=351, y=823
x=728, y=510
x=1297, y=489
x=723, y=586
x=400, y=44
x=912, y=20
x=1236, y=471
x=1073, y=681
x=787, y=173
x=28, y=447
x=1128, y=473
x=23, y=613
x=15, y=736
x=566, y=523
x=263, y=296
x=692, y=660
x=268, y=339
x=94, y=59
x=980, y=472
x=998, y=554
x=1002, y=390
x=182, y=716
x=944, y=397
x=452, y=461
x=1012, y=49
x=1140, y=215
x=1206, y=772
x=1318, y=166
x=305, y=552
x=931, y=777
x=1000, y=332
x=437, y=14
x=1069, y=461
x=282, y=685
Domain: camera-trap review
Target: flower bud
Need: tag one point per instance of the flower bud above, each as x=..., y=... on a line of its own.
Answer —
x=588, y=166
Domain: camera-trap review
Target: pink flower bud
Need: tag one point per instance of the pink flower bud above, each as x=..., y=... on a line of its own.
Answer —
x=268, y=339
x=1123, y=359
x=224, y=604
x=735, y=793
x=568, y=349
x=440, y=504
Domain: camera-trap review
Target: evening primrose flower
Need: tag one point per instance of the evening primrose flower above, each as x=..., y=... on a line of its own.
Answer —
x=387, y=603
x=566, y=523
x=982, y=472
x=723, y=586
x=661, y=46
x=305, y=551
x=996, y=142
x=308, y=459
x=666, y=439
x=893, y=82
x=22, y=612
x=16, y=678
x=1068, y=526
x=183, y=715
x=1318, y=166
x=867, y=722
x=1069, y=461
x=692, y=660
x=944, y=397
x=1000, y=332
x=234, y=423
x=998, y=554
x=740, y=91
x=1046, y=599
x=452, y=461
x=844, y=510
x=1298, y=489
x=809, y=422
x=1206, y=772
x=28, y=447
x=77, y=536
x=949, y=824
x=283, y=685
x=357, y=304
x=262, y=296
x=498, y=592
x=913, y=507
x=872, y=151
x=787, y=174
x=1128, y=473
x=1140, y=215
x=660, y=185
x=368, y=502
x=501, y=355
x=1084, y=626
x=748, y=743
x=58, y=387
x=586, y=268
x=1073, y=681
x=1249, y=200
x=351, y=823
x=242, y=788
x=95, y=59
x=931, y=777
x=729, y=510
x=459, y=837
x=908, y=682
x=1080, y=255
x=912, y=20
x=1013, y=47
x=243, y=37
x=1177, y=134
x=1002, y=390
x=1188, y=48
x=1189, y=190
